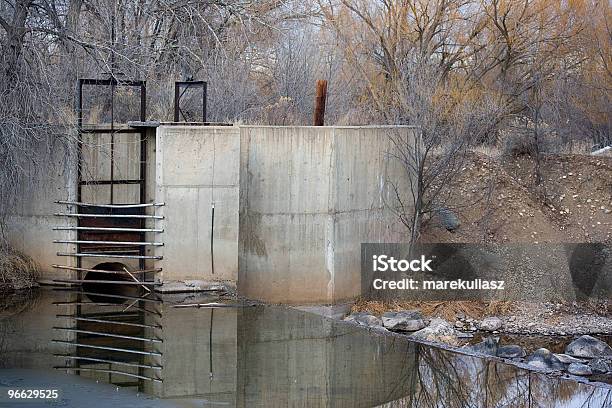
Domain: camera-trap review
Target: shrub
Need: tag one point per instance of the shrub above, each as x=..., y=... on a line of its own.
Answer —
x=518, y=144
x=17, y=271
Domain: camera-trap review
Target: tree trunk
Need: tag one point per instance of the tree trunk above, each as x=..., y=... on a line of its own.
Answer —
x=13, y=44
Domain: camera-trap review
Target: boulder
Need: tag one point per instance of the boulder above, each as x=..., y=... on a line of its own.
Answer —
x=566, y=359
x=491, y=323
x=579, y=369
x=544, y=360
x=364, y=319
x=601, y=365
x=488, y=346
x=511, y=351
x=589, y=347
x=407, y=320
x=447, y=218
x=439, y=330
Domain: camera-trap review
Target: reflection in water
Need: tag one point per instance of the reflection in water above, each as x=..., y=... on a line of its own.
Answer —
x=262, y=356
x=111, y=337
x=446, y=379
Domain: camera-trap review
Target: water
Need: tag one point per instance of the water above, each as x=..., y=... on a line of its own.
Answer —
x=155, y=354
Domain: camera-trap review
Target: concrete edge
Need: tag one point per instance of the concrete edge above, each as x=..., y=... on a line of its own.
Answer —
x=196, y=286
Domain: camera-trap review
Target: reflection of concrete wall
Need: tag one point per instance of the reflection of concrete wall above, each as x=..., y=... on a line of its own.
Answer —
x=26, y=332
x=187, y=350
x=29, y=222
x=299, y=359
x=309, y=197
x=188, y=183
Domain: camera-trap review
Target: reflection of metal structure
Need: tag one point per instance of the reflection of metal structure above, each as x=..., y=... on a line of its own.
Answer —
x=113, y=337
x=180, y=87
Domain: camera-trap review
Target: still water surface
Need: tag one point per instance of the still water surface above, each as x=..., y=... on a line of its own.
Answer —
x=156, y=354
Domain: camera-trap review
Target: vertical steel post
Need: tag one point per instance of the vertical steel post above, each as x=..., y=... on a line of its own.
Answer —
x=177, y=98
x=204, y=97
x=79, y=160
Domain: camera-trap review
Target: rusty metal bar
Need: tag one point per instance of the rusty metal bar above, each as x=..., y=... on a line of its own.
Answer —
x=68, y=241
x=74, y=268
x=66, y=228
x=81, y=204
x=103, y=370
x=88, y=319
x=110, y=282
x=157, y=217
x=320, y=98
x=110, y=255
x=101, y=360
x=119, y=336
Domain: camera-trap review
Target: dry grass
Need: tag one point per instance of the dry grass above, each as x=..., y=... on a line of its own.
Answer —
x=445, y=310
x=17, y=271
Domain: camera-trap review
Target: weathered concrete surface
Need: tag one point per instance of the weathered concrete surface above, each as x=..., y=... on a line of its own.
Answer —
x=292, y=206
x=309, y=196
x=197, y=166
x=30, y=221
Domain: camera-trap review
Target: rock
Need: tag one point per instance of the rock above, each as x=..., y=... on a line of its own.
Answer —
x=409, y=320
x=601, y=365
x=511, y=351
x=488, y=346
x=579, y=369
x=364, y=319
x=565, y=359
x=447, y=218
x=588, y=346
x=491, y=323
x=545, y=360
x=439, y=330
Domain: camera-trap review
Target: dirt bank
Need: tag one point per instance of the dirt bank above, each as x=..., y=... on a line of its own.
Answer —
x=498, y=201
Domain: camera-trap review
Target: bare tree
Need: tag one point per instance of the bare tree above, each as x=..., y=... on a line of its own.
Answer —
x=411, y=55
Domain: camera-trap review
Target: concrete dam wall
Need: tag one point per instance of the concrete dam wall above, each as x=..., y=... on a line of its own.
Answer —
x=277, y=212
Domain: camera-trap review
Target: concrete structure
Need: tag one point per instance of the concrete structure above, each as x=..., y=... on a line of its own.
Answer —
x=291, y=206
x=197, y=166
x=28, y=224
x=309, y=197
